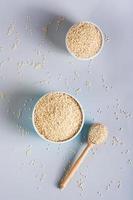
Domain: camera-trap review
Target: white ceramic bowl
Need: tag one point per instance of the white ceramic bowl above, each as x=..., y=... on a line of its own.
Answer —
x=60, y=142
x=90, y=58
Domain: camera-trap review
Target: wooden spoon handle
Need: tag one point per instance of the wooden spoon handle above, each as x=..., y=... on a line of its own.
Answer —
x=65, y=180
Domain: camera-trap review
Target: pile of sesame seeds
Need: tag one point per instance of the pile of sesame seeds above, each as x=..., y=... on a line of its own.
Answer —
x=84, y=40
x=58, y=116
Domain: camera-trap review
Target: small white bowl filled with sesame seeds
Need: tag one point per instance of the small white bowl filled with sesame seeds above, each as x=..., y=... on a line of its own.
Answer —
x=57, y=117
x=84, y=40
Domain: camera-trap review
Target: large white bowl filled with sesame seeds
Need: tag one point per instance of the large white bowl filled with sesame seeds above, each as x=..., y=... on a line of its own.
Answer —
x=84, y=40
x=58, y=117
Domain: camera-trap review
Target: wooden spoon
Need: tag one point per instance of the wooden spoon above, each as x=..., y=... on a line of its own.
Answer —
x=97, y=134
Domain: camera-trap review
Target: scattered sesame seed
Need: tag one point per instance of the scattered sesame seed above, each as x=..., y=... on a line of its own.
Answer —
x=38, y=65
x=129, y=161
x=11, y=29
x=45, y=29
x=60, y=20
x=28, y=150
x=2, y=95
x=77, y=90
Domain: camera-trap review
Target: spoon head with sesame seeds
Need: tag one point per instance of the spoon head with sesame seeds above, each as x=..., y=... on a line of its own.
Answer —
x=97, y=134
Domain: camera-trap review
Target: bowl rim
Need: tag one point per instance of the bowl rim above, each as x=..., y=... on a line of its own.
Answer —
x=64, y=141
x=102, y=35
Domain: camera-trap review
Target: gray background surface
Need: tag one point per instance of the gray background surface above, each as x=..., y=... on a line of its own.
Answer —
x=32, y=63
